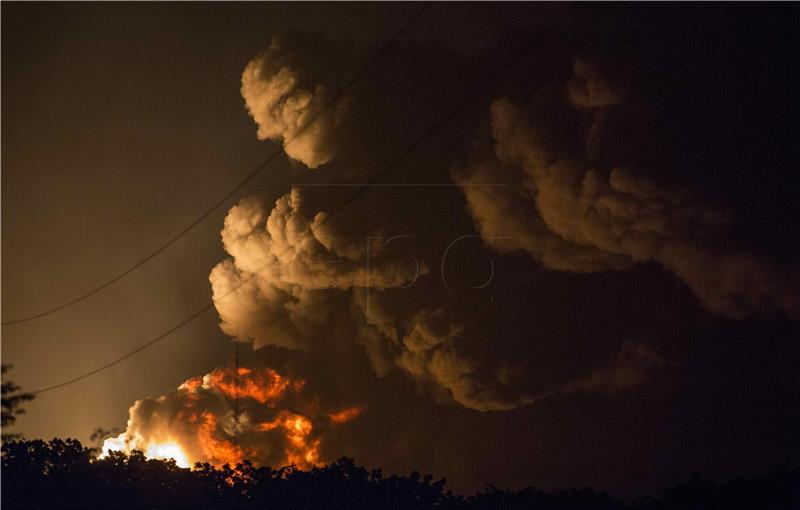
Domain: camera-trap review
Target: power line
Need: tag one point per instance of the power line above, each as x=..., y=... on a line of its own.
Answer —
x=438, y=125
x=137, y=350
x=249, y=177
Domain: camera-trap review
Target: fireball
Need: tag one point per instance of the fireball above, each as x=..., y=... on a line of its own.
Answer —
x=277, y=421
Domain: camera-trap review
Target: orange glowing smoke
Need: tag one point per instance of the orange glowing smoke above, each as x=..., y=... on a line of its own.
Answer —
x=217, y=451
x=264, y=385
x=346, y=415
x=196, y=423
x=302, y=451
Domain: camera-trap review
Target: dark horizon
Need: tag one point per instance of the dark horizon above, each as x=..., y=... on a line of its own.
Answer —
x=38, y=474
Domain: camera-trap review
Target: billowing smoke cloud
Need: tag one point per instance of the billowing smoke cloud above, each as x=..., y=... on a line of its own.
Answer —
x=280, y=421
x=296, y=269
x=565, y=206
x=432, y=351
x=571, y=214
x=286, y=265
x=282, y=96
x=293, y=275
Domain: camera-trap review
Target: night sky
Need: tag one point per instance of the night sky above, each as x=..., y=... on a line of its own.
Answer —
x=584, y=273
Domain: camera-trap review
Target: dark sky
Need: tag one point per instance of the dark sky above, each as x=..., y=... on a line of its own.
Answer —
x=657, y=341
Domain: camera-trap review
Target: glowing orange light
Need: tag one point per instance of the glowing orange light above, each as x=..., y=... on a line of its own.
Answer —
x=264, y=386
x=168, y=451
x=201, y=426
x=301, y=451
x=346, y=415
x=152, y=450
x=217, y=451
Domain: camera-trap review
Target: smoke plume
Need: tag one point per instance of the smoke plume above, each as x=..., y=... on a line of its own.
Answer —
x=310, y=275
x=298, y=267
x=572, y=212
x=283, y=95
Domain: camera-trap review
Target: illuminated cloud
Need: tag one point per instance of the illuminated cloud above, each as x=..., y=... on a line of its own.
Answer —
x=295, y=270
x=287, y=265
x=571, y=214
x=283, y=96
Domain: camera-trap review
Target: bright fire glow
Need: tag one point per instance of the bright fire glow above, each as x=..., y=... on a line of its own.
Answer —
x=301, y=451
x=264, y=385
x=168, y=451
x=163, y=451
x=279, y=423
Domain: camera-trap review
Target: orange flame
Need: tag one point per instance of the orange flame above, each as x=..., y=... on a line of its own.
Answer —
x=265, y=385
x=301, y=451
x=192, y=384
x=346, y=415
x=218, y=451
x=195, y=422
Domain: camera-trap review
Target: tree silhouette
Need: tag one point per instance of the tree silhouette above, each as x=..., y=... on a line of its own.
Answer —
x=99, y=435
x=65, y=474
x=12, y=399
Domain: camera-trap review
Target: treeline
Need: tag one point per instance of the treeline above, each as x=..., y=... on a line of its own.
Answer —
x=64, y=474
